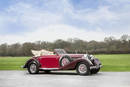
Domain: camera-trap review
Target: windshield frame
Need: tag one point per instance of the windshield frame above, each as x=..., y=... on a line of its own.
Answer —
x=60, y=51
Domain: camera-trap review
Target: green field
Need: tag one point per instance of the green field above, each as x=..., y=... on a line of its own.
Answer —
x=112, y=62
x=12, y=63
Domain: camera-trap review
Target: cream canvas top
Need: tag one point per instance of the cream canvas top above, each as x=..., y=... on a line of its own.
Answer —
x=41, y=52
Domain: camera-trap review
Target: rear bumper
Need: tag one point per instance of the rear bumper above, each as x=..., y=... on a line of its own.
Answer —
x=23, y=66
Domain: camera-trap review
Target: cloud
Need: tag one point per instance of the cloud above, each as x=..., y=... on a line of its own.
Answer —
x=118, y=2
x=32, y=17
x=97, y=16
x=54, y=32
x=49, y=20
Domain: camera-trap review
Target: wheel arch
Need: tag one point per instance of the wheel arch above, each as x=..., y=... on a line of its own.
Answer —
x=64, y=56
x=84, y=61
x=30, y=60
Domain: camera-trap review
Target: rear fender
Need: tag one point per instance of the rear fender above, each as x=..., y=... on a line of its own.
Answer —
x=31, y=60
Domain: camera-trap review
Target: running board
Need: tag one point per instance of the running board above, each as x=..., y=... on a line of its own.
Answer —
x=49, y=68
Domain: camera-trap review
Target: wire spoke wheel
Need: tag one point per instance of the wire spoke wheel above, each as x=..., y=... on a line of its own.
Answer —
x=82, y=68
x=33, y=68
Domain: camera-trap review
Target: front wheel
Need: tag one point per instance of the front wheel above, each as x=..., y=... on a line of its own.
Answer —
x=33, y=68
x=83, y=68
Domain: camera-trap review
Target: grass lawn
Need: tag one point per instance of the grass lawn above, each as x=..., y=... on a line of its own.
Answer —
x=115, y=62
x=12, y=63
x=111, y=62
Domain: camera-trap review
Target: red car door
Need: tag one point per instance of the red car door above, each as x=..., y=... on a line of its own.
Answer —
x=49, y=61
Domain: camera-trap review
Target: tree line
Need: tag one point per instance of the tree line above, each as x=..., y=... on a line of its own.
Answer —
x=110, y=45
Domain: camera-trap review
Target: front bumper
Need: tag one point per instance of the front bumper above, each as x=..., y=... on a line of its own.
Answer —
x=95, y=67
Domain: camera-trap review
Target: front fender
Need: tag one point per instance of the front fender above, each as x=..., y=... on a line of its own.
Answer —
x=74, y=63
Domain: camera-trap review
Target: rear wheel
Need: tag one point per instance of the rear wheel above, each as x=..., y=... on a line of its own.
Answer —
x=83, y=68
x=33, y=68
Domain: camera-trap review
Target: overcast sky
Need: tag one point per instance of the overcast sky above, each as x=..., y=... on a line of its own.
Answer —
x=48, y=20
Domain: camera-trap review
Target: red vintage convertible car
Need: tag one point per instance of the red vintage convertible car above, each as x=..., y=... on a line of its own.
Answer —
x=84, y=64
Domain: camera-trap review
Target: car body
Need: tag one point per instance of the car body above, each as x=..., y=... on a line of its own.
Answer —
x=84, y=64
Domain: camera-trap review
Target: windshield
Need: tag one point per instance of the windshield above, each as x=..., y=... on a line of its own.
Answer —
x=60, y=51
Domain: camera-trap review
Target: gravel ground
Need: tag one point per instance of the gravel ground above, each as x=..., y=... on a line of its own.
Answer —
x=64, y=79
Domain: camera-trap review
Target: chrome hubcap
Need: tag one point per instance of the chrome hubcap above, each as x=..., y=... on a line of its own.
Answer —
x=82, y=68
x=65, y=61
x=33, y=68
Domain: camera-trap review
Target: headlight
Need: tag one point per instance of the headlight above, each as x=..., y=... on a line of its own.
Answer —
x=88, y=56
x=92, y=57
